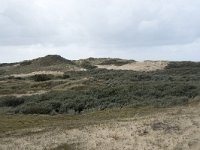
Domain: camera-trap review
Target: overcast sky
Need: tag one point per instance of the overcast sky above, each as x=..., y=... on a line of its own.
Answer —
x=134, y=29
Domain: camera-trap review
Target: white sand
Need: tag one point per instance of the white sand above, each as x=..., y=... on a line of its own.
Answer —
x=138, y=66
x=38, y=73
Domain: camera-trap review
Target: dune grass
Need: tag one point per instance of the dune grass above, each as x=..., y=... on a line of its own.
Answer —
x=11, y=123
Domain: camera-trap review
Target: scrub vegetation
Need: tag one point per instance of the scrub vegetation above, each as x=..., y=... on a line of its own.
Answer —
x=99, y=103
x=98, y=89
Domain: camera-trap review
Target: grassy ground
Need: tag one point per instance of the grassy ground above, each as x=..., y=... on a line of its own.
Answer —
x=127, y=128
x=19, y=125
x=15, y=122
x=66, y=147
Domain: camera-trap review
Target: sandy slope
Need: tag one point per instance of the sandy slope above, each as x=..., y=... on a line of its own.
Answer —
x=138, y=66
x=175, y=128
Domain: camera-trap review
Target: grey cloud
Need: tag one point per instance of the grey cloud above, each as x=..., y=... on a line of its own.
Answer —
x=99, y=25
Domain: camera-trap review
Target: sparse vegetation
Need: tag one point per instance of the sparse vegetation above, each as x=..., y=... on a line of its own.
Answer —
x=116, y=62
x=64, y=147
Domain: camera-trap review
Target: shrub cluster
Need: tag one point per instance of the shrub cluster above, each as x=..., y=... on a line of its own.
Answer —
x=11, y=101
x=42, y=77
x=87, y=65
x=116, y=62
x=114, y=88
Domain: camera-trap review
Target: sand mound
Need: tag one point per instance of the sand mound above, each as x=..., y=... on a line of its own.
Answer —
x=138, y=66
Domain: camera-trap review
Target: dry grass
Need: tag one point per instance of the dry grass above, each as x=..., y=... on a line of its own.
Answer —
x=170, y=128
x=16, y=122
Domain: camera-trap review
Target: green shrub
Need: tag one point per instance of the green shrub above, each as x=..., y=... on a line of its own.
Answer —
x=116, y=62
x=87, y=65
x=66, y=76
x=25, y=63
x=42, y=77
x=33, y=108
x=2, y=72
x=11, y=101
x=55, y=106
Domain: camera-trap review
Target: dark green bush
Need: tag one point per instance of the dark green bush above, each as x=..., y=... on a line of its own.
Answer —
x=25, y=63
x=42, y=77
x=87, y=65
x=33, y=108
x=2, y=72
x=11, y=101
x=66, y=76
x=116, y=62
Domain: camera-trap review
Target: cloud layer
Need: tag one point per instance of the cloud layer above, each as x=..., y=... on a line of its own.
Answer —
x=153, y=29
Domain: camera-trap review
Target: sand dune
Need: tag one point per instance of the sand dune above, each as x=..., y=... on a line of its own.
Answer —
x=138, y=66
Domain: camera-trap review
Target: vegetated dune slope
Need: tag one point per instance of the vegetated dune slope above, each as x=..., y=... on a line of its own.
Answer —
x=126, y=85
x=172, y=128
x=52, y=63
x=138, y=66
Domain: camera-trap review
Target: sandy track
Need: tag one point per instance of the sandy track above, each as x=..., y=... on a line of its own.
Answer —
x=38, y=73
x=176, y=128
x=138, y=66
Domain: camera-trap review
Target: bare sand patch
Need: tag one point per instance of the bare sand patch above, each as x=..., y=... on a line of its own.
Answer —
x=38, y=73
x=138, y=66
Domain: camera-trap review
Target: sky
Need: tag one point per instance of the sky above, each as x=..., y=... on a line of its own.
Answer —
x=74, y=29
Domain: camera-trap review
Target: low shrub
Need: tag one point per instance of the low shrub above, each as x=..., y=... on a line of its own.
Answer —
x=25, y=63
x=42, y=77
x=116, y=62
x=33, y=108
x=2, y=72
x=11, y=101
x=87, y=65
x=66, y=76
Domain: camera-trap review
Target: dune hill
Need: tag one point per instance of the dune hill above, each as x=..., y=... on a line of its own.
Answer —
x=55, y=84
x=99, y=103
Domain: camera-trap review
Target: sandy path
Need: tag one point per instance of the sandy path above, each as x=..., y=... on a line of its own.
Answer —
x=138, y=66
x=176, y=128
x=38, y=73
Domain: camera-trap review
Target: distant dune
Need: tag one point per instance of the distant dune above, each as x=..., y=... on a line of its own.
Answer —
x=138, y=66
